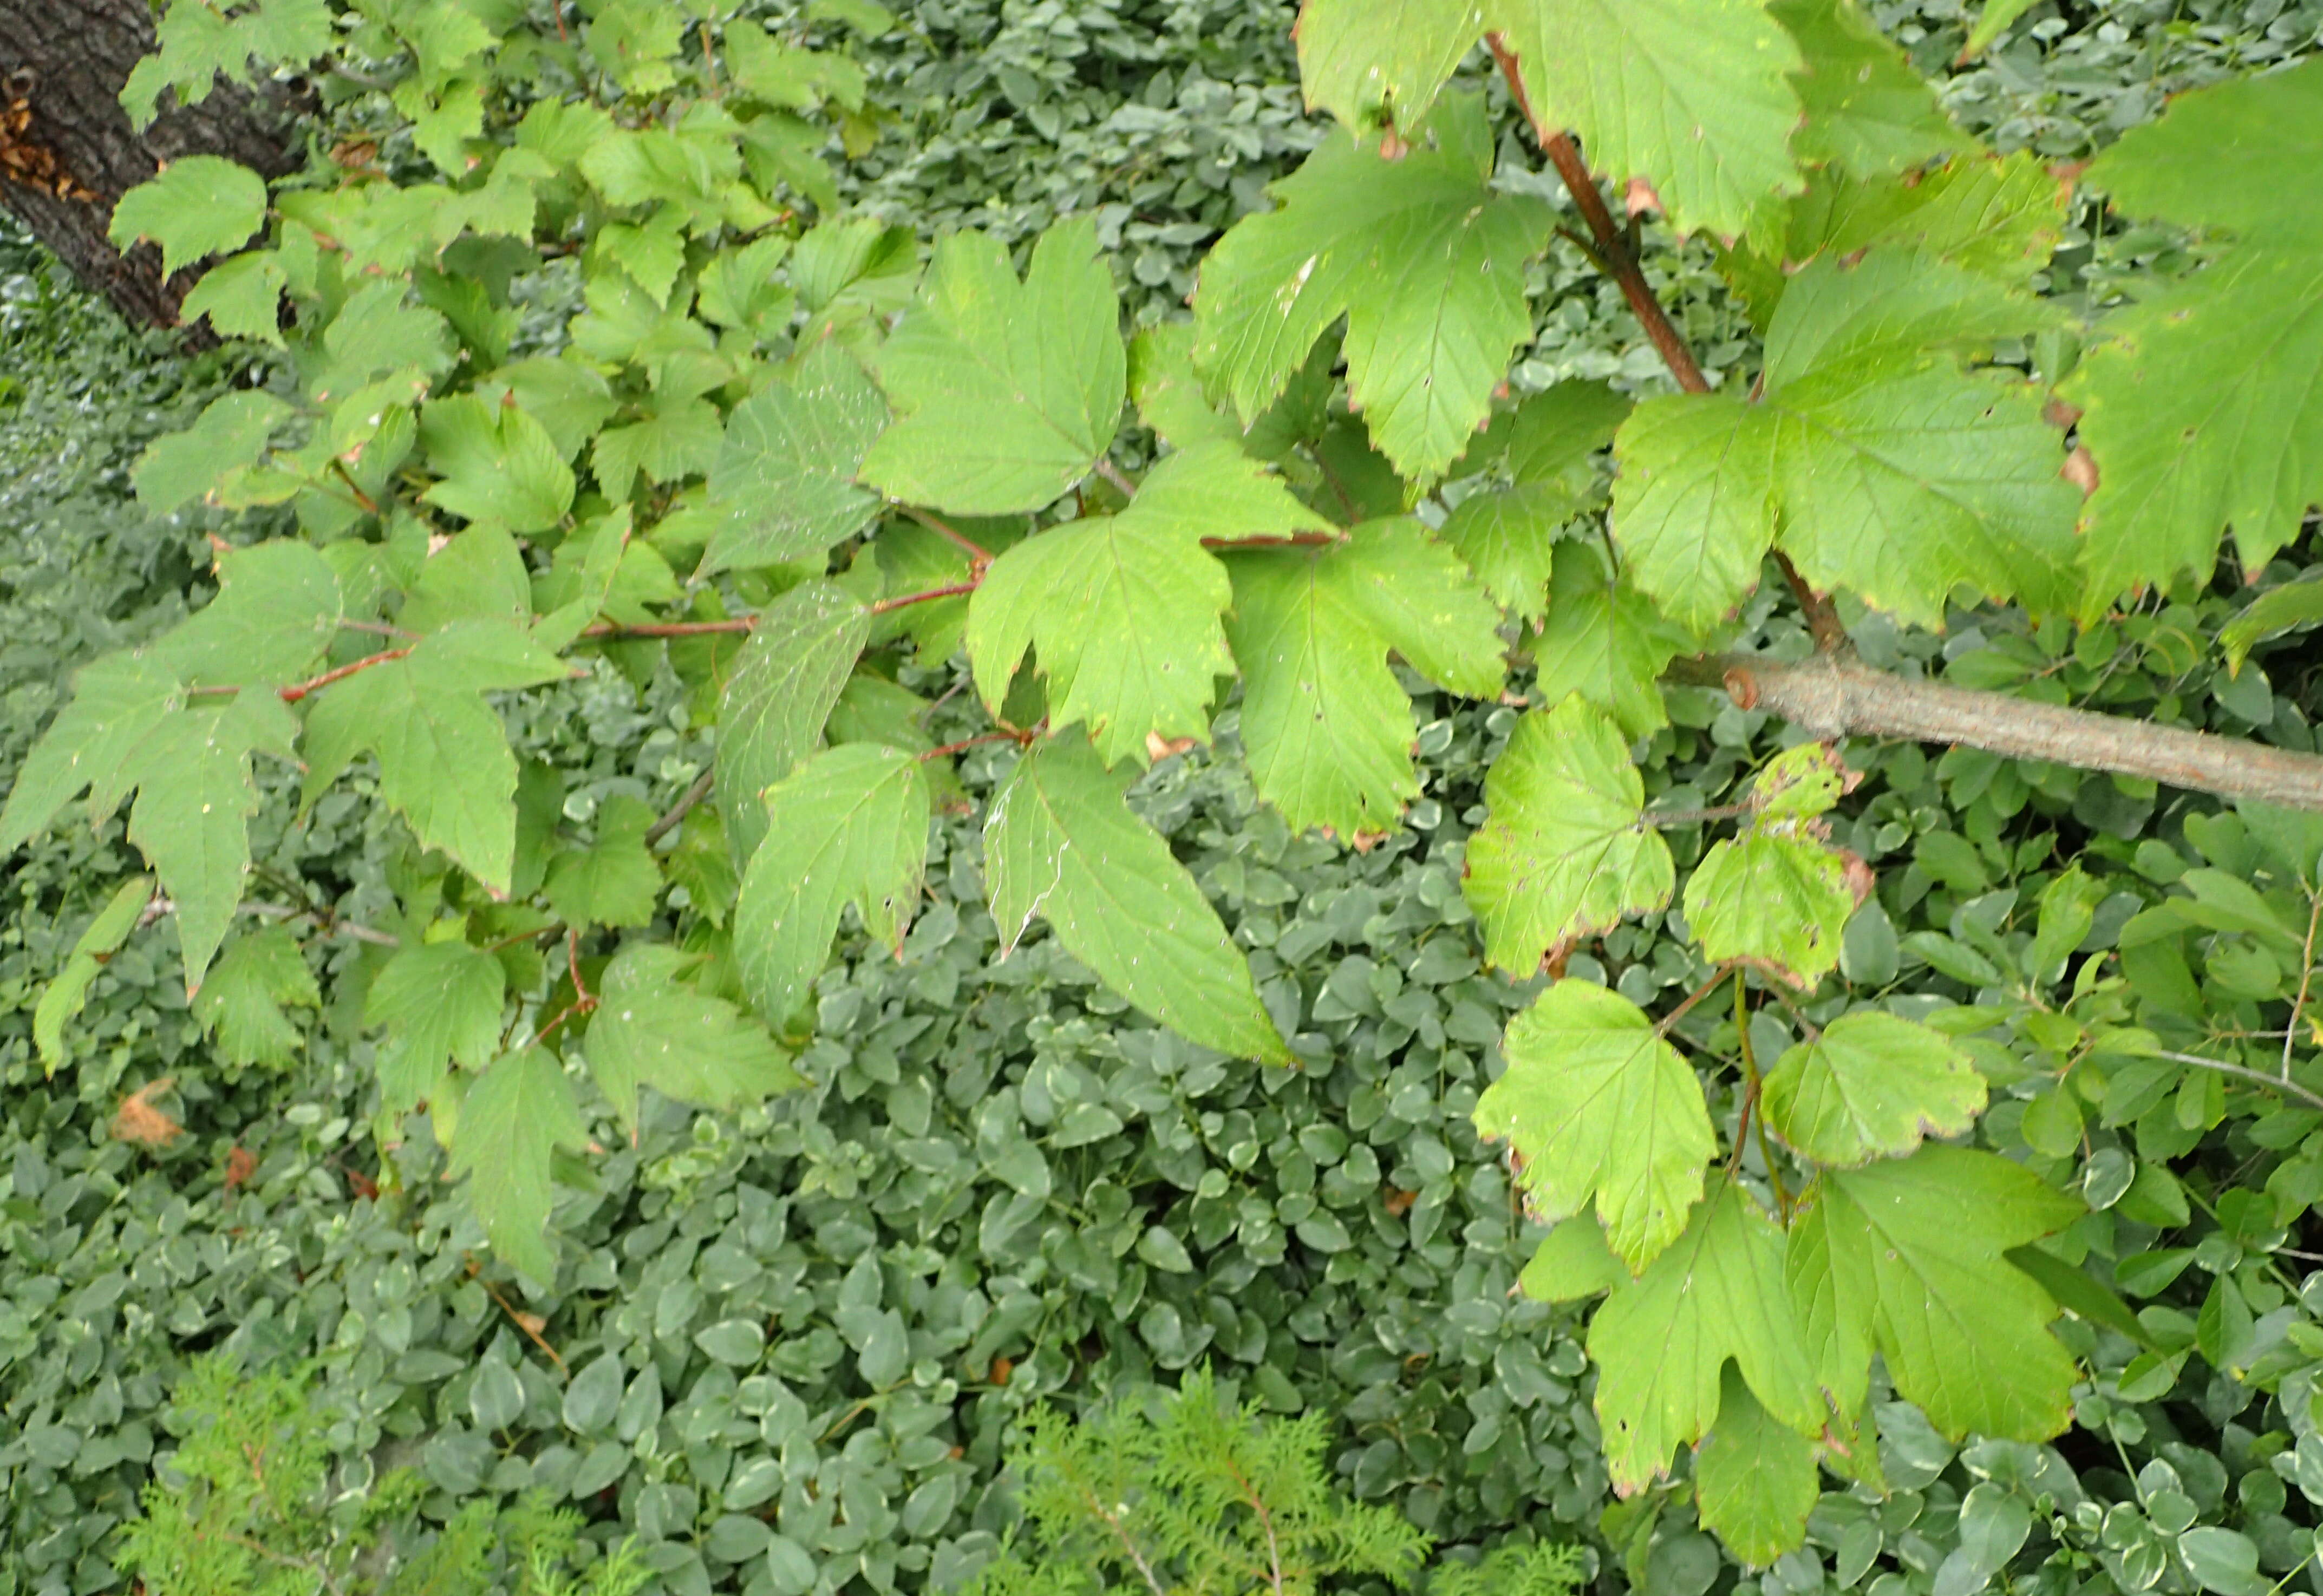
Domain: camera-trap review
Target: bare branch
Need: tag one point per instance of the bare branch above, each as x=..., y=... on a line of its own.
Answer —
x=1831, y=696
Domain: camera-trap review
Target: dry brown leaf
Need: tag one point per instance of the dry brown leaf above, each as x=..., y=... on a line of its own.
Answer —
x=241, y=1164
x=137, y=1120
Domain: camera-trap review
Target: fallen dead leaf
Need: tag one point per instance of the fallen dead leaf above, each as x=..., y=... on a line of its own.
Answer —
x=1640, y=199
x=137, y=1120
x=241, y=1164
x=1158, y=747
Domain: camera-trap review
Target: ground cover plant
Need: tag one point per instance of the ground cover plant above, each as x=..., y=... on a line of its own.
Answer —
x=2080, y=1056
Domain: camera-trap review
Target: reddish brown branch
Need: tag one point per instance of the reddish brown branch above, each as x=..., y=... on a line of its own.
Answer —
x=1614, y=256
x=978, y=557
x=949, y=591
x=293, y=694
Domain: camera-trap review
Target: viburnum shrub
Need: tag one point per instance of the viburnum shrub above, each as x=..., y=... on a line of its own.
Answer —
x=783, y=461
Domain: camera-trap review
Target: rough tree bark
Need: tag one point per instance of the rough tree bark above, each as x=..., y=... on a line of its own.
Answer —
x=68, y=152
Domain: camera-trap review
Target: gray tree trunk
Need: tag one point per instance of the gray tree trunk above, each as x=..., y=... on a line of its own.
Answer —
x=68, y=152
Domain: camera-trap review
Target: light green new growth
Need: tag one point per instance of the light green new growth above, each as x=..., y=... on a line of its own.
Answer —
x=1191, y=1495
x=245, y=1507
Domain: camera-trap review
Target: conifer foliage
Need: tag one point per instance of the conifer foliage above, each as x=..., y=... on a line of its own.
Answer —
x=777, y=457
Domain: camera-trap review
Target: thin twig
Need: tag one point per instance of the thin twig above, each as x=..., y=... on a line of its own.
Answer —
x=669, y=629
x=293, y=694
x=949, y=591
x=2289, y=1088
x=1121, y=1534
x=1669, y=1021
x=2306, y=975
x=684, y=806
x=1751, y=1085
x=323, y=921
x=1618, y=260
x=520, y=1320
x=978, y=557
x=1018, y=737
x=1113, y=474
x=1283, y=540
x=1694, y=817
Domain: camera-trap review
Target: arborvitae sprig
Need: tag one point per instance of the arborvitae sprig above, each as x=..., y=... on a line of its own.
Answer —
x=1203, y=1500
x=242, y=1511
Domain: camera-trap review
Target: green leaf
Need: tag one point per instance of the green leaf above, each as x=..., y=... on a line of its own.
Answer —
x=1005, y=394
x=119, y=701
x=1691, y=505
x=242, y=297
x=849, y=825
x=1694, y=94
x=1325, y=725
x=678, y=435
x=1754, y=1479
x=1566, y=853
x=195, y=798
x=1123, y=612
x=1661, y=1342
x=242, y=1003
x=1375, y=63
x=1774, y=895
x=1060, y=842
x=1872, y=459
x=198, y=205
x=1604, y=641
x=517, y=1113
x=441, y=1004
x=1991, y=24
x=1870, y=1086
x=1595, y=1104
x=277, y=611
x=63, y=997
x=784, y=684
x=1508, y=536
x=786, y=478
x=613, y=881
x=497, y=464
x=232, y=433
x=1420, y=255
x=2201, y=406
x=1572, y=1263
x=444, y=757
x=565, y=396
x=1867, y=111
x=2279, y=610
x=478, y=576
x=2244, y=156
x=1905, y=1255
x=1169, y=395
x=2075, y=1290
x=652, y=1030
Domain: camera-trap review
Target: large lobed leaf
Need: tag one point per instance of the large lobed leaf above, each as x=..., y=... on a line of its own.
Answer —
x=2204, y=405
x=1325, y=723
x=1420, y=255
x=1595, y=1104
x=1871, y=458
x=1060, y=843
x=847, y=826
x=1566, y=852
x=1122, y=612
x=1006, y=393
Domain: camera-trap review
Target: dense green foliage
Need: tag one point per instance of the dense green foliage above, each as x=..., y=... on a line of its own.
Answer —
x=1972, y=847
